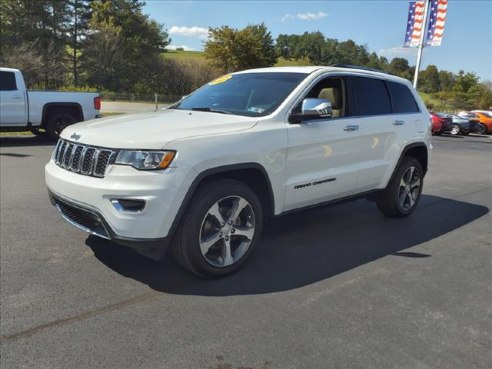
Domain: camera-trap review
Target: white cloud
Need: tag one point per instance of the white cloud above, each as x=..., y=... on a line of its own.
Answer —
x=199, y=32
x=304, y=16
x=184, y=47
x=398, y=51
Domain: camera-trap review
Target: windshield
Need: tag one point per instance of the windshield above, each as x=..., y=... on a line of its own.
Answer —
x=248, y=94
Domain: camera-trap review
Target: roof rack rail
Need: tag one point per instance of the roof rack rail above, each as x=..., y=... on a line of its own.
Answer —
x=342, y=65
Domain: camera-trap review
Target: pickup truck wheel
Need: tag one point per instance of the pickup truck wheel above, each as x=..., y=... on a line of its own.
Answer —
x=402, y=194
x=58, y=122
x=219, y=230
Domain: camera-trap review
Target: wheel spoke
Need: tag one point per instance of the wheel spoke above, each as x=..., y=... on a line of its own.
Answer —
x=411, y=201
x=415, y=183
x=238, y=206
x=206, y=244
x=227, y=256
x=401, y=199
x=245, y=231
x=215, y=212
x=410, y=172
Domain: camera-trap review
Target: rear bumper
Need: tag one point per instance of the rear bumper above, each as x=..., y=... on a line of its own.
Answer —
x=91, y=221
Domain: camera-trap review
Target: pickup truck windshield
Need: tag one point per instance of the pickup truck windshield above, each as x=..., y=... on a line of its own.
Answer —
x=248, y=94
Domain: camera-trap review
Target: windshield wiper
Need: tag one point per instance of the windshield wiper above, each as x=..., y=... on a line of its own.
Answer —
x=211, y=110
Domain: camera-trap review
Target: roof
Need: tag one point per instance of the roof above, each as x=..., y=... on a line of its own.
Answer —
x=341, y=69
x=3, y=69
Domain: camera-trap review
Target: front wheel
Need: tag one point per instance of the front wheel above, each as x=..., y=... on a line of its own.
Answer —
x=220, y=229
x=404, y=190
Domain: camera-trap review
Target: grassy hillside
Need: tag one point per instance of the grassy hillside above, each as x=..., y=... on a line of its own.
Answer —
x=201, y=55
x=184, y=54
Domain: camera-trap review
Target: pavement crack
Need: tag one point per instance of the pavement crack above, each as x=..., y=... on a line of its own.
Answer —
x=80, y=317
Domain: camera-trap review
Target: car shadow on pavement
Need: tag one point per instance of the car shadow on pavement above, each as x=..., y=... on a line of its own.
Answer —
x=303, y=248
x=26, y=140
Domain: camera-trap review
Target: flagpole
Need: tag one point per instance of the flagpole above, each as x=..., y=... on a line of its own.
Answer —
x=421, y=43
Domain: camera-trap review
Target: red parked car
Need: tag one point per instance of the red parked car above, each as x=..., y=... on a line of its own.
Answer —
x=440, y=123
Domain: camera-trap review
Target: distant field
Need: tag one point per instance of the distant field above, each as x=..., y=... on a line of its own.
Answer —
x=200, y=55
x=184, y=55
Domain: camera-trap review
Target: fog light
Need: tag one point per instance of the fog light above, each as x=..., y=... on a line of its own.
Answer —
x=128, y=205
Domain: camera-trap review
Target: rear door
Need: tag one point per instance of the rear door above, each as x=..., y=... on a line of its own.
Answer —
x=385, y=125
x=13, y=107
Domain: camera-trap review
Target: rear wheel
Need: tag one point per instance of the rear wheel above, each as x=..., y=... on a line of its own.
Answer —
x=220, y=229
x=58, y=121
x=402, y=194
x=455, y=129
x=482, y=129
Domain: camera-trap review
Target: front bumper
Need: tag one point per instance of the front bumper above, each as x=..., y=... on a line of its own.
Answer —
x=85, y=202
x=90, y=221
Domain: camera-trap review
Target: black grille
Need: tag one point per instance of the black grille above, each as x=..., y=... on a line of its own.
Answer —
x=102, y=162
x=82, y=218
x=83, y=159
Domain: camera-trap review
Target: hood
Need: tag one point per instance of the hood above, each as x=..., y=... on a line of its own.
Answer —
x=153, y=130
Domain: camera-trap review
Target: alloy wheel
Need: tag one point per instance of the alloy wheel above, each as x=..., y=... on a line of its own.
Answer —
x=409, y=189
x=227, y=231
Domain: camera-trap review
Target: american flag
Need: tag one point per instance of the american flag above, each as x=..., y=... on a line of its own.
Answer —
x=437, y=19
x=415, y=23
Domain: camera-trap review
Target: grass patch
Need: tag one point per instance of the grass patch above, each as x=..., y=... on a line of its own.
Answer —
x=281, y=62
x=19, y=133
x=184, y=55
x=111, y=113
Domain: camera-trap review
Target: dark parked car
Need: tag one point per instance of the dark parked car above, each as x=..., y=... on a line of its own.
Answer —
x=440, y=123
x=461, y=125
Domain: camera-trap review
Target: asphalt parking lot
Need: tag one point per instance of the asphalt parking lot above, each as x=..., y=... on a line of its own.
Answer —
x=338, y=287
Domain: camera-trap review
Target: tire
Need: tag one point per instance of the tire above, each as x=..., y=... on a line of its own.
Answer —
x=213, y=240
x=58, y=121
x=455, y=130
x=401, y=196
x=481, y=129
x=36, y=131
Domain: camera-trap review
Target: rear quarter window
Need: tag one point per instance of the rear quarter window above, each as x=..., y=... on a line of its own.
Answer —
x=402, y=100
x=7, y=81
x=370, y=96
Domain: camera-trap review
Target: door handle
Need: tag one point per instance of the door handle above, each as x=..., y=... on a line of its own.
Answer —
x=17, y=97
x=398, y=122
x=351, y=128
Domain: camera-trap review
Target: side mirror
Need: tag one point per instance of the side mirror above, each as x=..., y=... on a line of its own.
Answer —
x=312, y=109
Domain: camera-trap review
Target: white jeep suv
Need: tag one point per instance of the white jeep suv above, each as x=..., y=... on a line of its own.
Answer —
x=203, y=174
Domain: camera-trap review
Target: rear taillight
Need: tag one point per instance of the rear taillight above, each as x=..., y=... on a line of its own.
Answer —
x=97, y=103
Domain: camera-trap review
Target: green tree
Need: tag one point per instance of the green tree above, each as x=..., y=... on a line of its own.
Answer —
x=229, y=49
x=464, y=81
x=40, y=28
x=123, y=45
x=429, y=79
x=401, y=68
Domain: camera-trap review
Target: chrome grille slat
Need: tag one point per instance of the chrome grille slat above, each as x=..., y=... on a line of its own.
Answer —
x=83, y=159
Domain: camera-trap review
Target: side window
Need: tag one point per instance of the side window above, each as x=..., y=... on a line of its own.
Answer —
x=402, y=100
x=332, y=89
x=370, y=96
x=7, y=81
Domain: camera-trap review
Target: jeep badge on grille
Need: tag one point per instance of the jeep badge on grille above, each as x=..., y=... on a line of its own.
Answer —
x=75, y=136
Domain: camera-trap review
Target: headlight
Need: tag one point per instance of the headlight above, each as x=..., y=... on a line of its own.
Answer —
x=145, y=160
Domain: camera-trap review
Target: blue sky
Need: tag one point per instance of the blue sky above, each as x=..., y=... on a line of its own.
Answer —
x=467, y=40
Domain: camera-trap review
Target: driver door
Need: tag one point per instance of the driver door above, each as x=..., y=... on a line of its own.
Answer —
x=323, y=155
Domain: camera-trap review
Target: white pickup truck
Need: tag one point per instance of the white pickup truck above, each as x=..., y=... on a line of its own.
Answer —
x=31, y=110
